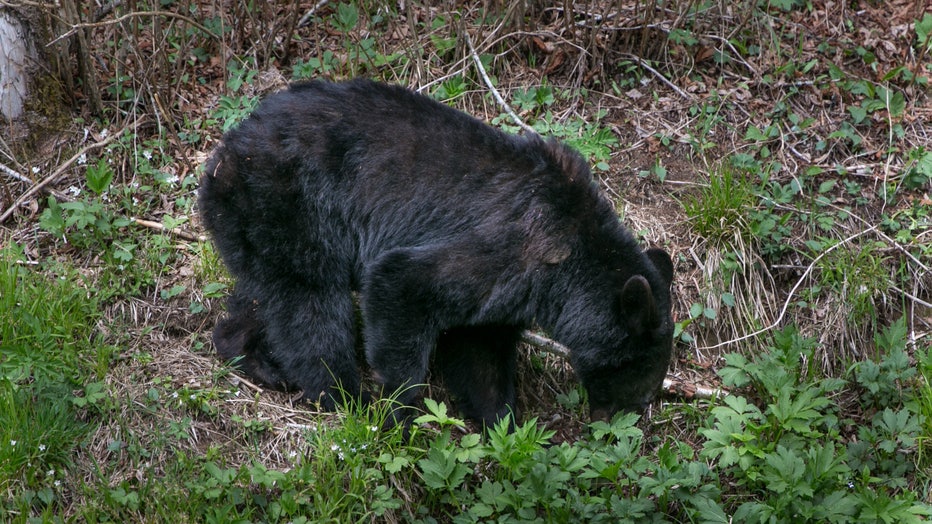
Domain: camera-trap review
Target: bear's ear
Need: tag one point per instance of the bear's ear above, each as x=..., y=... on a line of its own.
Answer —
x=638, y=306
x=662, y=261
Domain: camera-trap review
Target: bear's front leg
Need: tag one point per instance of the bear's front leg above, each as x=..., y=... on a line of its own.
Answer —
x=406, y=302
x=477, y=364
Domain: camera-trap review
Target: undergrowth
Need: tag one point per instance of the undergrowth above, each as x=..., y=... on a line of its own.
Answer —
x=788, y=444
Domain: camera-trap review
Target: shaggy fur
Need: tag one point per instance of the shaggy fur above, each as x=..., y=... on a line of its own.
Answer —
x=456, y=236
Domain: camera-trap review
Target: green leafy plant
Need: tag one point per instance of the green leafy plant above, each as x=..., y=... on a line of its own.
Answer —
x=786, y=450
x=99, y=176
x=656, y=171
x=451, y=89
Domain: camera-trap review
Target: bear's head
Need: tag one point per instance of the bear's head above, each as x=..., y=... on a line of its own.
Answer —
x=623, y=366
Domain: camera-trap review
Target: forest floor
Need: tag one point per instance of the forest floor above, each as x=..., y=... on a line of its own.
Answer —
x=783, y=156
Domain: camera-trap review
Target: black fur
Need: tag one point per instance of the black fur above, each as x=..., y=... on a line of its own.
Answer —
x=456, y=236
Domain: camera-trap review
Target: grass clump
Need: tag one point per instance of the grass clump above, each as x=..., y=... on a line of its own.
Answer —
x=720, y=210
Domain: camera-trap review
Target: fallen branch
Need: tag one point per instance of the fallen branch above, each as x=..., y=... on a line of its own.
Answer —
x=643, y=63
x=58, y=172
x=488, y=82
x=671, y=386
x=178, y=232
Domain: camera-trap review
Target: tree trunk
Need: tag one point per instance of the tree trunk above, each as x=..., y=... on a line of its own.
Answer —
x=18, y=59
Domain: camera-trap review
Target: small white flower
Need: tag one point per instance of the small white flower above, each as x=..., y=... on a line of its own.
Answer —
x=174, y=394
x=373, y=428
x=104, y=133
x=334, y=447
x=35, y=170
x=172, y=179
x=73, y=190
x=147, y=154
x=82, y=159
x=340, y=455
x=193, y=396
x=292, y=454
x=57, y=483
x=41, y=447
x=49, y=473
x=13, y=443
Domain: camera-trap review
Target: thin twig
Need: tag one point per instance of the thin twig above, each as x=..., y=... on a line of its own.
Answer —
x=670, y=385
x=643, y=63
x=307, y=16
x=495, y=93
x=15, y=174
x=174, y=231
x=168, y=14
x=22, y=178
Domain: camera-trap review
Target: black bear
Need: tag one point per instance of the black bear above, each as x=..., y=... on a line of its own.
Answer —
x=456, y=237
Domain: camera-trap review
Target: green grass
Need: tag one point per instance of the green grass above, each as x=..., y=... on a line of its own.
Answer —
x=719, y=211
x=46, y=353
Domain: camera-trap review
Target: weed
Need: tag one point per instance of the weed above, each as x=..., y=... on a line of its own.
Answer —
x=451, y=89
x=859, y=276
x=233, y=108
x=919, y=169
x=787, y=451
x=720, y=210
x=592, y=140
x=656, y=171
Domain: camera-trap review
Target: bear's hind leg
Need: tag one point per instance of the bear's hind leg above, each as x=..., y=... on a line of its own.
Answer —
x=477, y=364
x=239, y=339
x=311, y=338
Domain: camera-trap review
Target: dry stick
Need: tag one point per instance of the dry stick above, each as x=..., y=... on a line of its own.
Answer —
x=58, y=172
x=15, y=174
x=495, y=93
x=789, y=298
x=671, y=85
x=307, y=16
x=670, y=385
x=174, y=231
x=168, y=14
